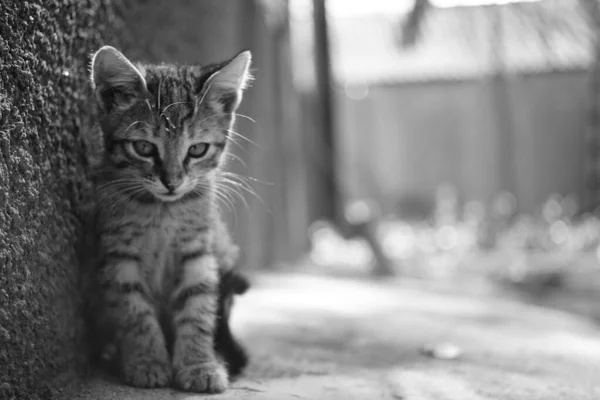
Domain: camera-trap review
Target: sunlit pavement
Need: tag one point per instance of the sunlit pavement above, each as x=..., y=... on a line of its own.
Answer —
x=329, y=338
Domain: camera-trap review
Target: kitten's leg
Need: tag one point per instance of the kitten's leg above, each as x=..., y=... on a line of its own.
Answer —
x=143, y=356
x=195, y=305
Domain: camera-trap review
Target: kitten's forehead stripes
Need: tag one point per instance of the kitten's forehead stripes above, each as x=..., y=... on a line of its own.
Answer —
x=172, y=91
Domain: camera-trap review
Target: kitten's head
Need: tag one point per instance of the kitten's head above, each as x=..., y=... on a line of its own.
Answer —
x=165, y=127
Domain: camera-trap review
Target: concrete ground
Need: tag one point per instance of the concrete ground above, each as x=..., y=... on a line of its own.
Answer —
x=324, y=338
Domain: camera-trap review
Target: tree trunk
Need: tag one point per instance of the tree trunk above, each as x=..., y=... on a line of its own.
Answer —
x=591, y=196
x=329, y=202
x=332, y=200
x=499, y=85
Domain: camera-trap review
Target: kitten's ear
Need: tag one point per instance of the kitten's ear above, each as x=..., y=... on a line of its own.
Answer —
x=227, y=84
x=115, y=79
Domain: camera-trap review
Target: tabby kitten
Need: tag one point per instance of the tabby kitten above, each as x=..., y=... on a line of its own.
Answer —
x=160, y=239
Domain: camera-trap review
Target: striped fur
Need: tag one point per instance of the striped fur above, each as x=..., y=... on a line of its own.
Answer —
x=161, y=245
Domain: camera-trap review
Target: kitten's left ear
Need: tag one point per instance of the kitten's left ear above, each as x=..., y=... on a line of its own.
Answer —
x=116, y=81
x=227, y=84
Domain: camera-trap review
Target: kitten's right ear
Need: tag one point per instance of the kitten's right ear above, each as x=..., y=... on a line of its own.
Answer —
x=116, y=81
x=226, y=85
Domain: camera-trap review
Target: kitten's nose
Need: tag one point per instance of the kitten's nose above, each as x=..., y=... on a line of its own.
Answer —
x=171, y=185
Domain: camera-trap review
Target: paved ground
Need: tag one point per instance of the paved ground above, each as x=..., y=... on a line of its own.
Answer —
x=328, y=339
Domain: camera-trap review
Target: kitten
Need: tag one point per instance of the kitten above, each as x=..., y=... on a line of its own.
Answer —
x=162, y=248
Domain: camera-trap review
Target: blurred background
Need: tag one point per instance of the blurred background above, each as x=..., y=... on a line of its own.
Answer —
x=443, y=140
x=451, y=143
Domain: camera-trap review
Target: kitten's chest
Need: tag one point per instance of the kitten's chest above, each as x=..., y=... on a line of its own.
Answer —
x=158, y=248
x=157, y=244
x=162, y=245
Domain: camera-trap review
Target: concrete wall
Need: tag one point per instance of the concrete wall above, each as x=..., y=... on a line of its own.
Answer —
x=44, y=55
x=403, y=140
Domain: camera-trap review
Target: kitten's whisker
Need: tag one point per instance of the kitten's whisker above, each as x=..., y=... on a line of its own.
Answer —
x=225, y=191
x=215, y=194
x=132, y=124
x=210, y=116
x=244, y=186
x=241, y=179
x=237, y=158
x=242, y=136
x=237, y=144
x=235, y=180
x=134, y=195
x=237, y=114
x=221, y=197
x=203, y=95
x=218, y=195
x=116, y=185
x=255, y=180
x=232, y=192
x=111, y=200
x=245, y=116
x=172, y=104
x=120, y=180
x=123, y=191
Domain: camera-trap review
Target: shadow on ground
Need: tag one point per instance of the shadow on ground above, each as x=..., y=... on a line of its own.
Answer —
x=331, y=338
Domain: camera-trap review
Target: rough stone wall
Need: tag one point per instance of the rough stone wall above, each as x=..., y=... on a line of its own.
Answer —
x=44, y=54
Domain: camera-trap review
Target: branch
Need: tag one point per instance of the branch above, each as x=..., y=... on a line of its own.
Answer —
x=411, y=28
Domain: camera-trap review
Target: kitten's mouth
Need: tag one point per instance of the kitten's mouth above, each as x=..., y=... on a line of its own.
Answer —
x=169, y=197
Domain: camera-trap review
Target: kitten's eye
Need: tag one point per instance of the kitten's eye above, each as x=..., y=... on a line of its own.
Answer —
x=198, y=150
x=143, y=148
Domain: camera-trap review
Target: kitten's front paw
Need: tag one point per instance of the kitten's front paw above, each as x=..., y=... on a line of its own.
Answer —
x=147, y=373
x=210, y=377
